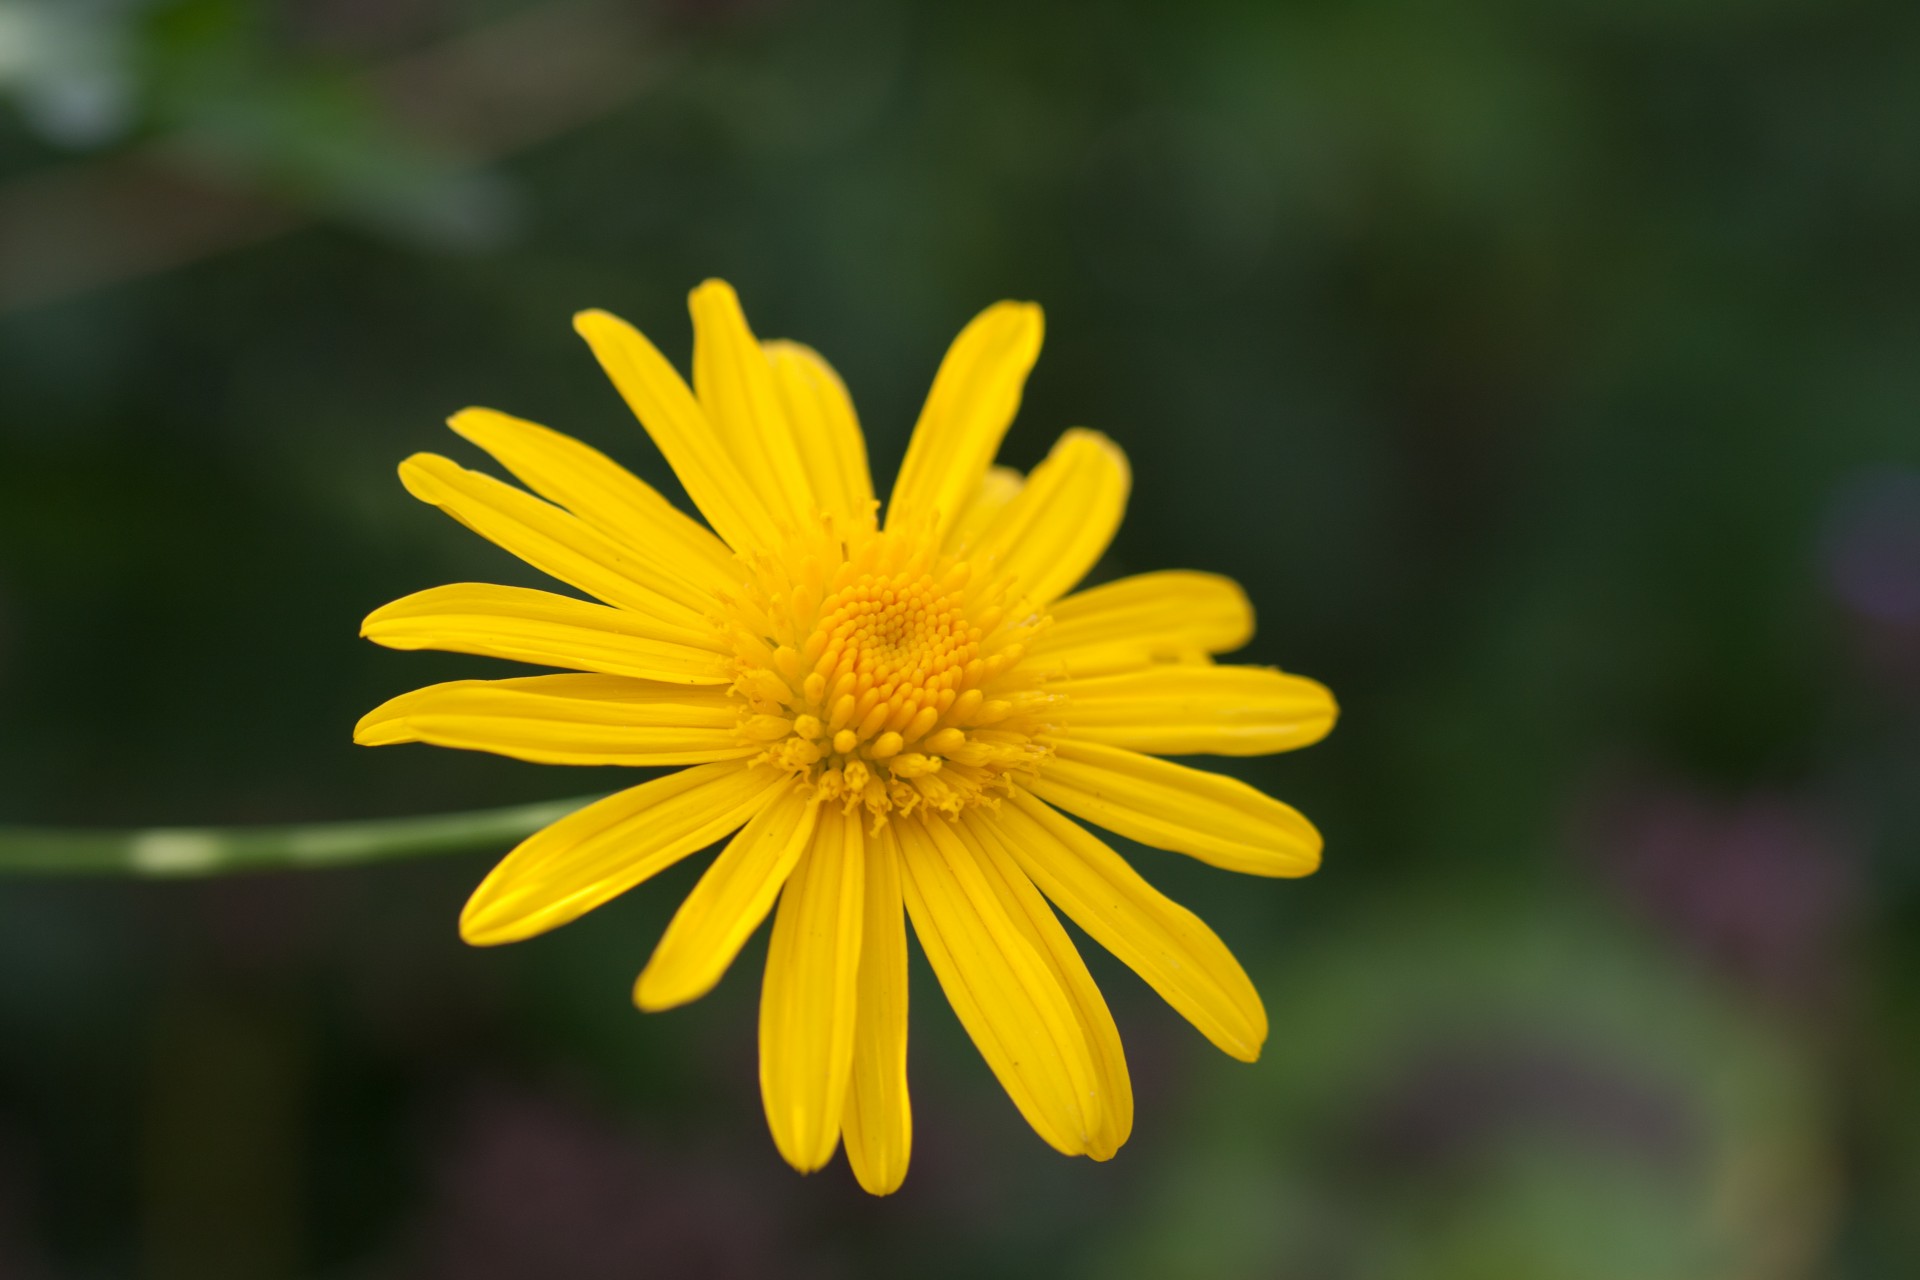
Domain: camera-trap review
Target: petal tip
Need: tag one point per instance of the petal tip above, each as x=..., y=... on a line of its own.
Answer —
x=653, y=994
x=380, y=732
x=476, y=930
x=470, y=419
x=417, y=474
x=595, y=321
x=882, y=1181
x=712, y=287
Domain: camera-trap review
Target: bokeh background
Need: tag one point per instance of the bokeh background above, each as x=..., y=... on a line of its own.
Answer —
x=1549, y=373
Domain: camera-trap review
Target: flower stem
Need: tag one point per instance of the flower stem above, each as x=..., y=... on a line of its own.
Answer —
x=206, y=851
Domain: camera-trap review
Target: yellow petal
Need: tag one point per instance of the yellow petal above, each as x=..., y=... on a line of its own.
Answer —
x=974, y=397
x=1150, y=617
x=609, y=498
x=570, y=719
x=552, y=541
x=549, y=630
x=601, y=851
x=728, y=904
x=1170, y=709
x=1214, y=818
x=659, y=397
x=1035, y=919
x=1163, y=942
x=827, y=432
x=733, y=380
x=807, y=1001
x=997, y=488
x=1001, y=986
x=877, y=1119
x=1060, y=523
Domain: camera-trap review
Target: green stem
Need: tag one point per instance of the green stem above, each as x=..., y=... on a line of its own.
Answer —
x=205, y=851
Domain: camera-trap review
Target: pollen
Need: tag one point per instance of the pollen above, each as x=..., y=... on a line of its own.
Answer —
x=886, y=675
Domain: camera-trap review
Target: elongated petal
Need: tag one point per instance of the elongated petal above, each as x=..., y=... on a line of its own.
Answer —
x=1000, y=486
x=1059, y=525
x=807, y=1001
x=552, y=541
x=827, y=431
x=1029, y=911
x=570, y=719
x=1152, y=617
x=733, y=380
x=1214, y=818
x=728, y=904
x=1001, y=986
x=974, y=397
x=1163, y=942
x=1176, y=709
x=549, y=630
x=659, y=397
x=609, y=498
x=877, y=1119
x=601, y=851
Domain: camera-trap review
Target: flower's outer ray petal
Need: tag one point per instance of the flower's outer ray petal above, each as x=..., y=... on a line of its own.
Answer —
x=877, y=1119
x=733, y=380
x=1001, y=986
x=997, y=488
x=1163, y=942
x=659, y=397
x=1059, y=525
x=525, y=625
x=827, y=431
x=1172, y=709
x=552, y=541
x=1214, y=818
x=568, y=719
x=728, y=904
x=1035, y=919
x=601, y=851
x=1172, y=616
x=608, y=497
x=974, y=397
x=807, y=999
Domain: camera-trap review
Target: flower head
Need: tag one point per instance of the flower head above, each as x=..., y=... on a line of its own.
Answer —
x=880, y=714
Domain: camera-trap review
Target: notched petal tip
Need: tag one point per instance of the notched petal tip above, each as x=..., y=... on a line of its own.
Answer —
x=1022, y=310
x=1249, y=620
x=1333, y=708
x=1311, y=845
x=378, y=728
x=475, y=931
x=713, y=287
x=1242, y=1052
x=1091, y=436
x=808, y=1162
x=1022, y=325
x=481, y=925
x=1325, y=715
x=374, y=625
x=417, y=473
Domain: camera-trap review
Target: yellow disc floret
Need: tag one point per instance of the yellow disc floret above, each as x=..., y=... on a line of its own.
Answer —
x=886, y=675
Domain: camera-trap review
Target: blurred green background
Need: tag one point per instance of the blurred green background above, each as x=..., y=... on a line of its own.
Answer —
x=1549, y=373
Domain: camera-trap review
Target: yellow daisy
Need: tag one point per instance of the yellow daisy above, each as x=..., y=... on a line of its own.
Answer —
x=879, y=713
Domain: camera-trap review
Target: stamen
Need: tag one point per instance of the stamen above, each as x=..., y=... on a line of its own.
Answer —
x=872, y=668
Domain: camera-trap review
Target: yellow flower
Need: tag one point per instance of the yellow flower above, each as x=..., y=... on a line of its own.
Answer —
x=878, y=713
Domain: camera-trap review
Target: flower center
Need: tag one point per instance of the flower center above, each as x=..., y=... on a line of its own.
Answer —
x=886, y=676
